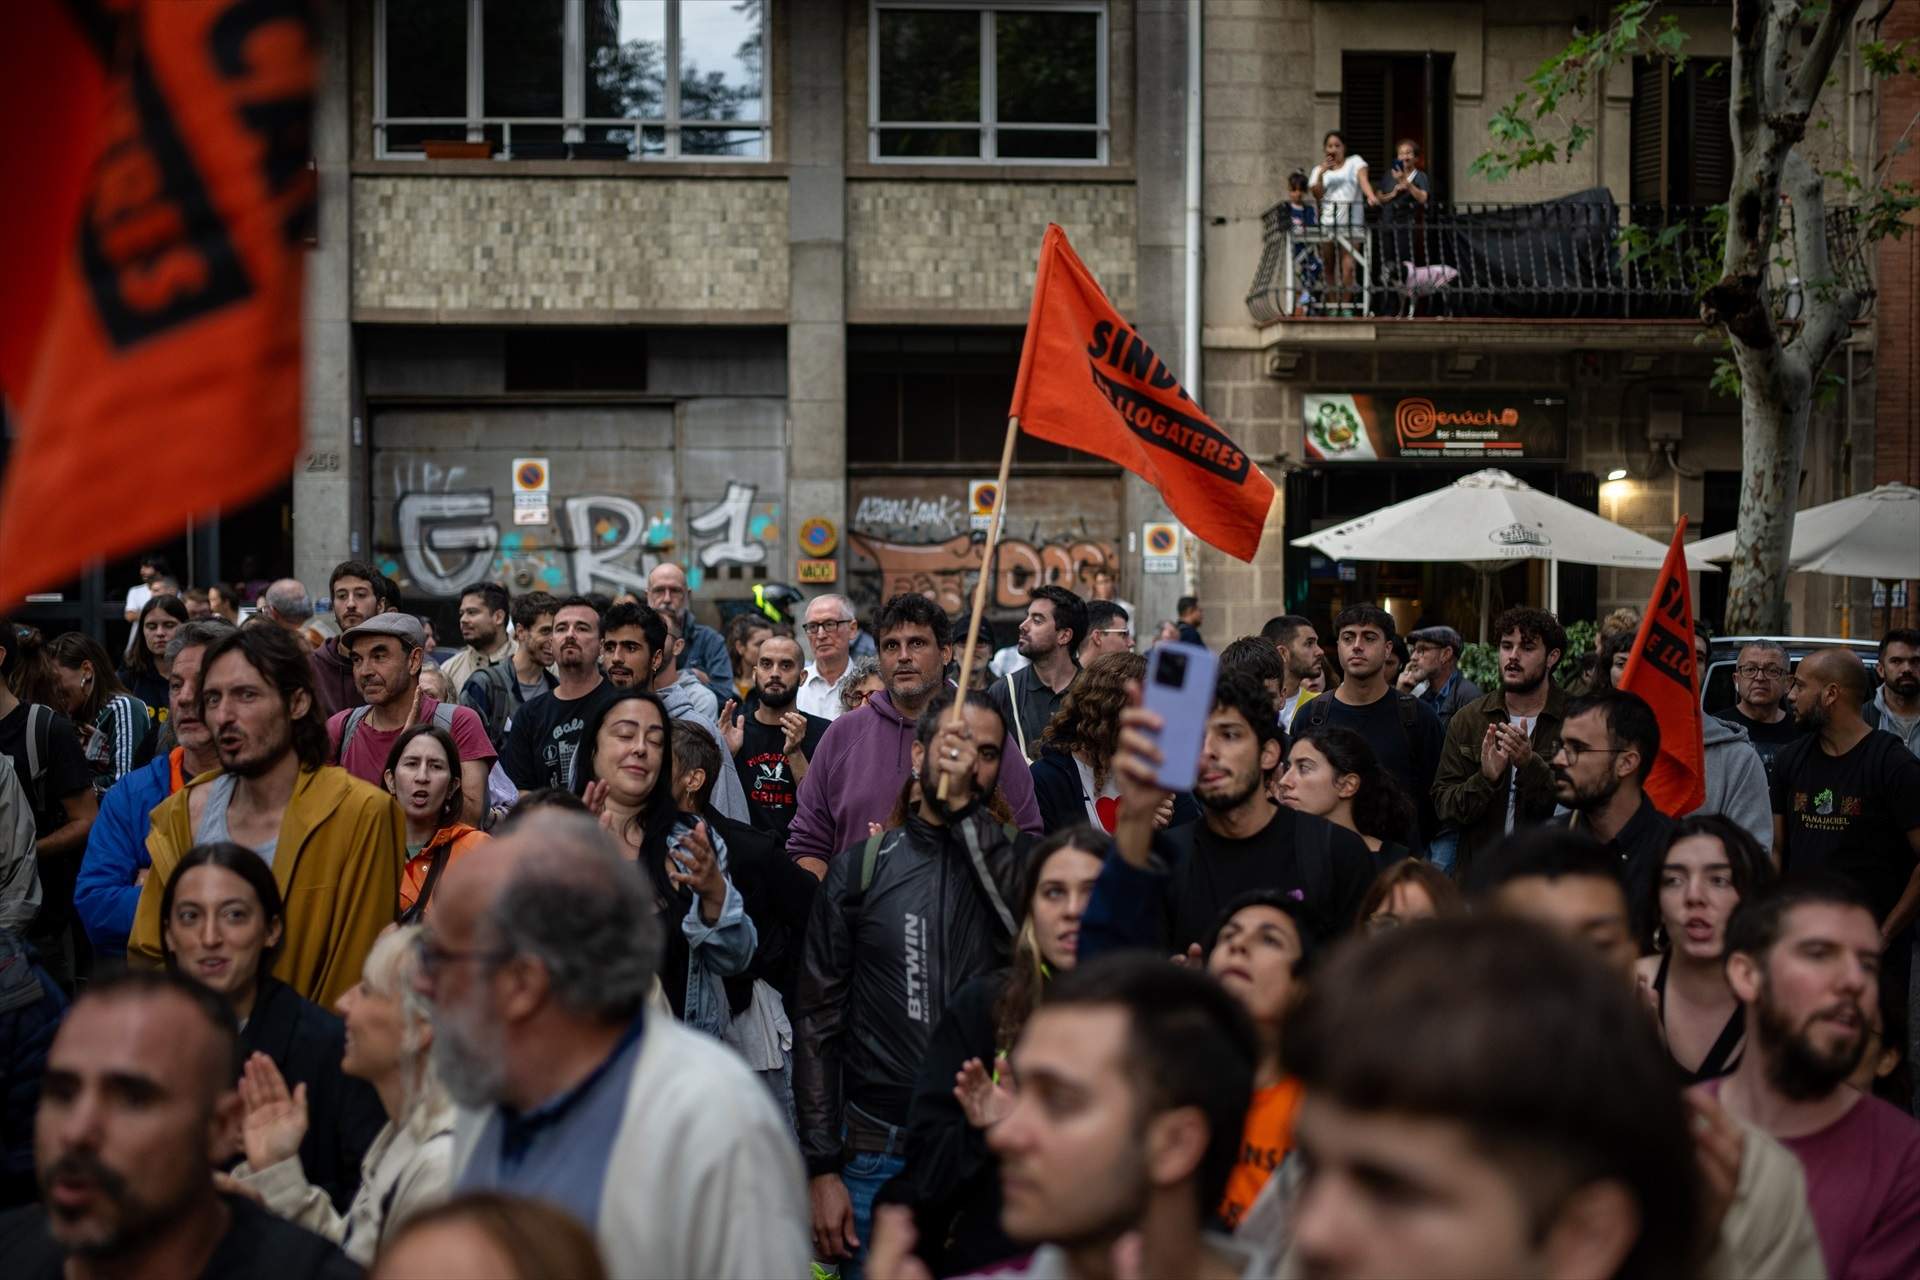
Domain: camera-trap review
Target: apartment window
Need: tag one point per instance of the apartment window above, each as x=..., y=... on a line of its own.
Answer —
x=1387, y=97
x=1681, y=141
x=572, y=79
x=958, y=84
x=929, y=398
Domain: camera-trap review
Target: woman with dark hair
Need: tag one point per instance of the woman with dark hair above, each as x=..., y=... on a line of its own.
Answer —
x=744, y=635
x=114, y=726
x=1073, y=780
x=624, y=770
x=1260, y=952
x=1333, y=774
x=222, y=925
x=224, y=599
x=423, y=776
x=1711, y=866
x=952, y=1179
x=147, y=669
x=1411, y=889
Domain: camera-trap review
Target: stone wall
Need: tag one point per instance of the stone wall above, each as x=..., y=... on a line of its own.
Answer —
x=532, y=245
x=970, y=247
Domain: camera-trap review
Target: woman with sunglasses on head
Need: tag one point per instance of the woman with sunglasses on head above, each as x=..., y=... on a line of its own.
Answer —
x=1710, y=867
x=951, y=1178
x=389, y=1038
x=221, y=925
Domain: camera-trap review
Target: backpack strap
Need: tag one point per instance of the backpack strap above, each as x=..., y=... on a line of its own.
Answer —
x=869, y=857
x=347, y=730
x=39, y=748
x=1316, y=709
x=419, y=908
x=443, y=715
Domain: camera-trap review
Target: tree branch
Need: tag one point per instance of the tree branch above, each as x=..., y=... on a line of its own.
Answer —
x=1828, y=308
x=1836, y=25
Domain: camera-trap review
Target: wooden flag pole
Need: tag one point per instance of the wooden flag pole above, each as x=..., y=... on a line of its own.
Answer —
x=980, y=587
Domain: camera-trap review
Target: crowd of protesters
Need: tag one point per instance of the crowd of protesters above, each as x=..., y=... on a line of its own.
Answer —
x=616, y=944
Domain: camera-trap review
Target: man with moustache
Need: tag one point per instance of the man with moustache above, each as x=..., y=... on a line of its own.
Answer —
x=1896, y=707
x=336, y=843
x=854, y=778
x=108, y=888
x=546, y=731
x=1493, y=775
x=1607, y=748
x=1804, y=957
x=387, y=650
x=136, y=1110
x=771, y=745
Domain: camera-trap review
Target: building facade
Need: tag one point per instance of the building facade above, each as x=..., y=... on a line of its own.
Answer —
x=741, y=284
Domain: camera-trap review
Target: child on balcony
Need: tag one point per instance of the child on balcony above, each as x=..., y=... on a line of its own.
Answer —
x=1306, y=261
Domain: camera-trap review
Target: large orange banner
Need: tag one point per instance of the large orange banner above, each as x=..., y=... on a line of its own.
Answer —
x=1088, y=380
x=1661, y=669
x=152, y=354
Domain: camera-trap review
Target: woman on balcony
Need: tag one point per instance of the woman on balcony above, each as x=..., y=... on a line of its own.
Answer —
x=1341, y=186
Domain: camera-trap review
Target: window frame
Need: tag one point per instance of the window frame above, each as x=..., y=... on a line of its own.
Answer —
x=988, y=125
x=574, y=122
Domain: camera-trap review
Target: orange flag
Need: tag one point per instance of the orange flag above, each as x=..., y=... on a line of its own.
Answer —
x=1661, y=670
x=152, y=354
x=1089, y=381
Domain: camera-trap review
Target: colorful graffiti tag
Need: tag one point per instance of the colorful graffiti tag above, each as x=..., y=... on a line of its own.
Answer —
x=947, y=570
x=443, y=542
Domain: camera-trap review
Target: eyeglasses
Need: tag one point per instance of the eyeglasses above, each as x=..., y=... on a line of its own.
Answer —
x=815, y=628
x=1771, y=673
x=1112, y=631
x=435, y=958
x=1573, y=751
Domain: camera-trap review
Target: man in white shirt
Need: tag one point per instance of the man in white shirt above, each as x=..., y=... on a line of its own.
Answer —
x=830, y=628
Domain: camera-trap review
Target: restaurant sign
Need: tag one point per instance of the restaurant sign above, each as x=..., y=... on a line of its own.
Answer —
x=1445, y=427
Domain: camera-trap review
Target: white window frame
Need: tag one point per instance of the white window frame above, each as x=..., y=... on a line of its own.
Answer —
x=573, y=94
x=988, y=125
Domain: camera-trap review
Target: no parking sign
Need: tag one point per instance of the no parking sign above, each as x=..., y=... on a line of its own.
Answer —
x=1160, y=548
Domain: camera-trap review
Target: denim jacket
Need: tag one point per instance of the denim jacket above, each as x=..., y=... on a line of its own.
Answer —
x=719, y=950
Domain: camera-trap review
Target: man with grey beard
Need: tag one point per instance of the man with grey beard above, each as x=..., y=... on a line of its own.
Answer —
x=538, y=960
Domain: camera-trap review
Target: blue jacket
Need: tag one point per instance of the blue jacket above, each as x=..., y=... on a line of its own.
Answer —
x=106, y=890
x=706, y=652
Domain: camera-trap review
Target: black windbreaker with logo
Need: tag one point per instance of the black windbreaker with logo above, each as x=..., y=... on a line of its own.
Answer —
x=880, y=966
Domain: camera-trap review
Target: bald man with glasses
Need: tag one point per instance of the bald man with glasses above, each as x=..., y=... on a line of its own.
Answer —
x=1760, y=677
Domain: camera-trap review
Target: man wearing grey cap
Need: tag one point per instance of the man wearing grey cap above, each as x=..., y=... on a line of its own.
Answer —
x=1434, y=674
x=386, y=651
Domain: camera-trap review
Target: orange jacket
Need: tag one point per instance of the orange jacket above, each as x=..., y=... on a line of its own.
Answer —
x=462, y=840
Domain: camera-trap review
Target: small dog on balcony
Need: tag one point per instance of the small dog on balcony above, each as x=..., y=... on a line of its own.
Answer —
x=1422, y=282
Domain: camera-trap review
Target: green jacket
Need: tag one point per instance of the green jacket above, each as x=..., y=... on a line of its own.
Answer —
x=1464, y=798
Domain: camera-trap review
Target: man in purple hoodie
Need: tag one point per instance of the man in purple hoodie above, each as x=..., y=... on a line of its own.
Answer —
x=864, y=758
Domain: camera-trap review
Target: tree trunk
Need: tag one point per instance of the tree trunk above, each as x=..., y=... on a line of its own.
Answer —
x=1774, y=404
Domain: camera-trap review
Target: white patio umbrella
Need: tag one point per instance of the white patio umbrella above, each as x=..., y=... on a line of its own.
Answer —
x=1486, y=519
x=1875, y=534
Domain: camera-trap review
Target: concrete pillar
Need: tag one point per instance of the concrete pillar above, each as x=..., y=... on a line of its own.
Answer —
x=329, y=476
x=1160, y=151
x=817, y=274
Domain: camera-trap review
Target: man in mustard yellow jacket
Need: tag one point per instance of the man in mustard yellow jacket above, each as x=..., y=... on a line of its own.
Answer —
x=336, y=844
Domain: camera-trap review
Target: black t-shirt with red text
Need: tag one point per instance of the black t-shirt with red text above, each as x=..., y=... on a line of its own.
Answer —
x=767, y=777
x=1851, y=814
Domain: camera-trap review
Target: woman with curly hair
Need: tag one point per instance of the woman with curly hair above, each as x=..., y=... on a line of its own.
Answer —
x=1073, y=780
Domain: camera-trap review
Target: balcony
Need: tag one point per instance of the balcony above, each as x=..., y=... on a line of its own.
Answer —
x=1579, y=258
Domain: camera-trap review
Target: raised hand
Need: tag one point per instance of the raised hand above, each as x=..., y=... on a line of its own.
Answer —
x=951, y=759
x=693, y=864
x=794, y=725
x=276, y=1120
x=890, y=1256
x=595, y=798
x=985, y=1101
x=733, y=727
x=1494, y=759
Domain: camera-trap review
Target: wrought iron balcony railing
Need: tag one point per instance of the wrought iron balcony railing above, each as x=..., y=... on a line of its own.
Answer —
x=1580, y=257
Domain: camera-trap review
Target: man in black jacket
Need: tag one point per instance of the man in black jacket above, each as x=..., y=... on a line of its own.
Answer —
x=901, y=922
x=1167, y=889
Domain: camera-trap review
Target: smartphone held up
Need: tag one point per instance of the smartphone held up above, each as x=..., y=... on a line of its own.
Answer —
x=1180, y=681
